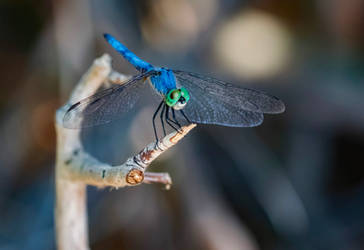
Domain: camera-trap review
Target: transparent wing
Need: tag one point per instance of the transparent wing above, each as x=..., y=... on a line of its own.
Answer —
x=204, y=109
x=215, y=102
x=105, y=105
x=236, y=96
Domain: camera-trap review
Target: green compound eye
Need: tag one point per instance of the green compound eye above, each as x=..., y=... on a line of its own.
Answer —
x=185, y=94
x=177, y=98
x=173, y=97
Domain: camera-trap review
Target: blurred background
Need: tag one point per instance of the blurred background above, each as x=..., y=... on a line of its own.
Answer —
x=295, y=182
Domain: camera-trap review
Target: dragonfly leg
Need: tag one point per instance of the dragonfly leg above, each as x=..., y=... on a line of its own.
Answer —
x=184, y=115
x=154, y=127
x=175, y=119
x=162, y=122
x=169, y=121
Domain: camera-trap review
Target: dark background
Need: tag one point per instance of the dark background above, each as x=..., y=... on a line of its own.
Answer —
x=295, y=182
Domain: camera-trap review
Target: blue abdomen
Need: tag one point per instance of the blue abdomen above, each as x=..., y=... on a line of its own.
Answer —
x=163, y=82
x=138, y=63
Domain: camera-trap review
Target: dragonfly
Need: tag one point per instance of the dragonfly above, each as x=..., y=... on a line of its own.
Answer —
x=184, y=96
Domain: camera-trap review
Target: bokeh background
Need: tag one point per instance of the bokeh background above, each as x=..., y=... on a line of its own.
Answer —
x=295, y=182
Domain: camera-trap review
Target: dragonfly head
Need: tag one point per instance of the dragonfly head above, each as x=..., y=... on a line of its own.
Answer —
x=177, y=98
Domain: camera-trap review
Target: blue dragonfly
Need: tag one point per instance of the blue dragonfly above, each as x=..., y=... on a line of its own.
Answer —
x=183, y=95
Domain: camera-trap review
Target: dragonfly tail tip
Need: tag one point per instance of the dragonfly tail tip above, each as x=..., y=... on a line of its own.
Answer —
x=107, y=36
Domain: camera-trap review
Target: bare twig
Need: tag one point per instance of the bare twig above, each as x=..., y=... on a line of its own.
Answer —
x=75, y=168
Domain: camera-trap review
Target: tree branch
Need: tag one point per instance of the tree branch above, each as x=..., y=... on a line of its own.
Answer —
x=75, y=168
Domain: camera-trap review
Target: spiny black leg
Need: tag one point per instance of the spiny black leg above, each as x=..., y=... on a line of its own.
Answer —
x=154, y=127
x=162, y=122
x=175, y=119
x=183, y=113
x=168, y=120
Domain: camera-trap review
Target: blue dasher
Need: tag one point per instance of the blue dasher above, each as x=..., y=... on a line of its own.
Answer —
x=183, y=95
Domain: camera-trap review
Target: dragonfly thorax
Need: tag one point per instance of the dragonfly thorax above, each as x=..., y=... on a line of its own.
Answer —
x=163, y=80
x=177, y=98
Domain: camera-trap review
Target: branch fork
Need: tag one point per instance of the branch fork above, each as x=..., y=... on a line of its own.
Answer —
x=77, y=165
x=75, y=168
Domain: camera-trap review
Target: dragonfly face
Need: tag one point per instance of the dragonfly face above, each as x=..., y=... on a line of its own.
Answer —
x=177, y=98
